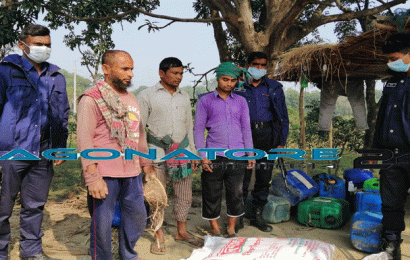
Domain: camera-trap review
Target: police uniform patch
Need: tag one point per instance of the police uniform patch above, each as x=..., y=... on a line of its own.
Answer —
x=240, y=89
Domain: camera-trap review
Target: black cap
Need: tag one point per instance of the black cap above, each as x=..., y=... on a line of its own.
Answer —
x=396, y=43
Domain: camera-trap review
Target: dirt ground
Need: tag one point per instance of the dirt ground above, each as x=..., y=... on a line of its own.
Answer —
x=66, y=229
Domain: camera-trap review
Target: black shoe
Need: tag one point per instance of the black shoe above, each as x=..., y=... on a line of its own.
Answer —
x=239, y=224
x=41, y=256
x=392, y=249
x=391, y=245
x=259, y=222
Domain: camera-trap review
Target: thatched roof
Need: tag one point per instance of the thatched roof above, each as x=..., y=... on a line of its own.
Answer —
x=357, y=57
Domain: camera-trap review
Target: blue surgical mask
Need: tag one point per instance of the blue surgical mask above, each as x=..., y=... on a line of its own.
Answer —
x=399, y=65
x=256, y=73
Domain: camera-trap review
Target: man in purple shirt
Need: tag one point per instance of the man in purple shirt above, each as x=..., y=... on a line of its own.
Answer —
x=226, y=117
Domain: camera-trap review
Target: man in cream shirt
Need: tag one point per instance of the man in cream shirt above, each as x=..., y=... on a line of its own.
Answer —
x=166, y=111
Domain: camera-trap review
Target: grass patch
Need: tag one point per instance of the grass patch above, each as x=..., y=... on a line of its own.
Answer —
x=67, y=179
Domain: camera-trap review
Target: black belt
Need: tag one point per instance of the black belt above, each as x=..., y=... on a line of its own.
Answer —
x=397, y=151
x=261, y=125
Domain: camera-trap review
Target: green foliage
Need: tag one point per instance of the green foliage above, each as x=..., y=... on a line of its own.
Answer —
x=14, y=19
x=72, y=131
x=97, y=38
x=67, y=13
x=292, y=97
x=98, y=15
x=313, y=138
x=345, y=133
x=343, y=107
x=345, y=28
x=82, y=85
x=196, y=181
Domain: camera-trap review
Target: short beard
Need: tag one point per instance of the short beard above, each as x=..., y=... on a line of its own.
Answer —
x=120, y=85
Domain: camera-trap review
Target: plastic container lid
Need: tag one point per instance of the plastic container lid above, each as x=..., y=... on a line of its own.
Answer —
x=371, y=184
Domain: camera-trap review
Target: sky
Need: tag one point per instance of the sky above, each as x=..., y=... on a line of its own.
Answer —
x=190, y=42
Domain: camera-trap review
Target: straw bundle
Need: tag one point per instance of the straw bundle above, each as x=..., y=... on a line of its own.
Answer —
x=156, y=196
x=358, y=57
x=298, y=61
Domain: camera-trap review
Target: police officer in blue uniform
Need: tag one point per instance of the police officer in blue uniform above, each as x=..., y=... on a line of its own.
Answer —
x=270, y=127
x=34, y=117
x=393, y=133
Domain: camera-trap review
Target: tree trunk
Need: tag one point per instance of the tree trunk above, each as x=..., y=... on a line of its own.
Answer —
x=372, y=109
x=220, y=38
x=302, y=120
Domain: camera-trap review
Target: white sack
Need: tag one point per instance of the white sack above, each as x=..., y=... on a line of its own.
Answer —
x=252, y=248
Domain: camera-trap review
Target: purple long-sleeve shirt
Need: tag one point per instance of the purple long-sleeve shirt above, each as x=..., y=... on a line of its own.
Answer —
x=227, y=122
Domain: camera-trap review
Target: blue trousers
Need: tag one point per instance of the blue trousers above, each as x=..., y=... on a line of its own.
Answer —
x=32, y=179
x=128, y=191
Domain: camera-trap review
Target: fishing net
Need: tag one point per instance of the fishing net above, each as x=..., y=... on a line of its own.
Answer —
x=156, y=196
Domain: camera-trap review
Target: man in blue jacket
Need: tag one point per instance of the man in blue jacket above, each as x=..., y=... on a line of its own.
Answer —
x=33, y=116
x=270, y=127
x=393, y=133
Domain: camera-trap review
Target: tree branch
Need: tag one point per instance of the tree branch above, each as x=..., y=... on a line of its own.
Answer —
x=341, y=7
x=358, y=5
x=203, y=75
x=273, y=10
x=133, y=11
x=86, y=65
x=168, y=24
x=218, y=5
x=317, y=2
x=230, y=14
x=355, y=15
x=281, y=25
x=10, y=5
x=220, y=38
x=226, y=5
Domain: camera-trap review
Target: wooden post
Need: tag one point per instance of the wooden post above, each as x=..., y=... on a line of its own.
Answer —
x=75, y=90
x=331, y=135
x=302, y=120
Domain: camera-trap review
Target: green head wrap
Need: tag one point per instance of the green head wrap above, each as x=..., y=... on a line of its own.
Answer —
x=227, y=69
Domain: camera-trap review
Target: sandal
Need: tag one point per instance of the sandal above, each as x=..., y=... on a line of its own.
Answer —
x=158, y=248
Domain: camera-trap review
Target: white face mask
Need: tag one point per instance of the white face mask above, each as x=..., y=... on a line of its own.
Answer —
x=38, y=54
